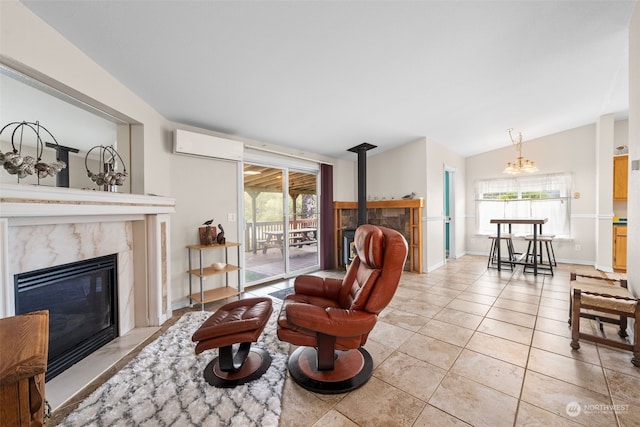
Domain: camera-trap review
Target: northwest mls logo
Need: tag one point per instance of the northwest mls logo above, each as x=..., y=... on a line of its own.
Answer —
x=573, y=409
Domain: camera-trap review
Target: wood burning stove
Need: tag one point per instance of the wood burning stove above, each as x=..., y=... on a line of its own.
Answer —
x=347, y=239
x=348, y=234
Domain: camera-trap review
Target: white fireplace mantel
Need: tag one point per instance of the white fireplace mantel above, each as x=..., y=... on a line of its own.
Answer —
x=43, y=226
x=77, y=223
x=19, y=202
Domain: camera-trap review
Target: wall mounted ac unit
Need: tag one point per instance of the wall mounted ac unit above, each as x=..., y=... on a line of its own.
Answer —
x=197, y=144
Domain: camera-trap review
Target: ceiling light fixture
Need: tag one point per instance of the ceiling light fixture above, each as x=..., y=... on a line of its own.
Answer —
x=521, y=164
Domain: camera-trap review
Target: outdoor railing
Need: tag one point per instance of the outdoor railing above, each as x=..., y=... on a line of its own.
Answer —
x=261, y=228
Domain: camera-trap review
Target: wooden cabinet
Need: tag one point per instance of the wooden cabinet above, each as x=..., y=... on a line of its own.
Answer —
x=620, y=177
x=203, y=271
x=23, y=362
x=620, y=247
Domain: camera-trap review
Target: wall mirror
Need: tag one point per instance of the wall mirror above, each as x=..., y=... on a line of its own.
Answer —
x=73, y=123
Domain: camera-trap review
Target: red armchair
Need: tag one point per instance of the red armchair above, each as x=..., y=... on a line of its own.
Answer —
x=331, y=319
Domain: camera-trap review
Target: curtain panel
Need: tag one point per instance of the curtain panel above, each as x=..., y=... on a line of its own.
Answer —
x=537, y=196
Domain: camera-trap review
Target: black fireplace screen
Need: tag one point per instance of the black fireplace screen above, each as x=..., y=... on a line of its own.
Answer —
x=82, y=301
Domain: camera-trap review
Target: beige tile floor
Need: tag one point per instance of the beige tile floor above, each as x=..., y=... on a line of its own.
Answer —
x=464, y=345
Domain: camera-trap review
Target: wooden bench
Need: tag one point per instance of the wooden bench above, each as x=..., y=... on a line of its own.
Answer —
x=268, y=245
x=301, y=243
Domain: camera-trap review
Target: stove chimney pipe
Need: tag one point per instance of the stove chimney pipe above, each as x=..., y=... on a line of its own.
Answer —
x=361, y=150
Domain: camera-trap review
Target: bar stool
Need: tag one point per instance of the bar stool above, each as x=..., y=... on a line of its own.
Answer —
x=553, y=254
x=545, y=244
x=493, y=252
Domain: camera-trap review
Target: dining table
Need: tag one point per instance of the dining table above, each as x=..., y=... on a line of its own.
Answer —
x=536, y=223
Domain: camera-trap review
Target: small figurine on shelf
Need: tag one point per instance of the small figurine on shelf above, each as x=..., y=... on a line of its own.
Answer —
x=207, y=233
x=409, y=196
x=220, y=239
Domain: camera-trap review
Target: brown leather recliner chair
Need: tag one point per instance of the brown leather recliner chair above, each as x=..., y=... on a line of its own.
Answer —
x=331, y=319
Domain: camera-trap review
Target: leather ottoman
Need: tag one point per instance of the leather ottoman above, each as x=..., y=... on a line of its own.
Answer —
x=239, y=322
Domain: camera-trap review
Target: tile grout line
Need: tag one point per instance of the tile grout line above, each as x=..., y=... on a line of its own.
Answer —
x=526, y=367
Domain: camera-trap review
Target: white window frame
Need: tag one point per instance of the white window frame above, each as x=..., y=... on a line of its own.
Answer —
x=526, y=196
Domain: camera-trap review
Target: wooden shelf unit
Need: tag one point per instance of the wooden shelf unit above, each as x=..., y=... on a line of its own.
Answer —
x=415, y=225
x=205, y=296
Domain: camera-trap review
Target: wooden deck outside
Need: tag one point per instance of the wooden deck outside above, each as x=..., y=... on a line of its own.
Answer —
x=260, y=266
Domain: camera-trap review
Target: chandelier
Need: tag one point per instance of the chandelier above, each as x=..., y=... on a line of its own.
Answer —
x=521, y=164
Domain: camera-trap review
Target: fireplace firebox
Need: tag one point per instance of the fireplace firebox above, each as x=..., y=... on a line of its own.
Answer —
x=82, y=301
x=348, y=234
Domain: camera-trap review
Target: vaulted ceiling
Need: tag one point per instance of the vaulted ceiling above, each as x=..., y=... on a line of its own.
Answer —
x=324, y=76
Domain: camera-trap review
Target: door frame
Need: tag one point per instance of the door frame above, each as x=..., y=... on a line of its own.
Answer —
x=286, y=164
x=449, y=192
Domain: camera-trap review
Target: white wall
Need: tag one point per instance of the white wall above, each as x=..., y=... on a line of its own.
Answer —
x=398, y=172
x=419, y=167
x=395, y=173
x=155, y=168
x=571, y=151
x=345, y=177
x=604, y=196
x=62, y=65
x=633, y=214
x=203, y=188
x=439, y=157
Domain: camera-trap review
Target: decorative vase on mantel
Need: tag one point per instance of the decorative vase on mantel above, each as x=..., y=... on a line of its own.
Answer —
x=110, y=176
x=22, y=166
x=207, y=235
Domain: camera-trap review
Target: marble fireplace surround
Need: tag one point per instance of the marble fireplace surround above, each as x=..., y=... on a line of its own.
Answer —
x=46, y=226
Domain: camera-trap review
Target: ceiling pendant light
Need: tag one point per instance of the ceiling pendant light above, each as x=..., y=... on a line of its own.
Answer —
x=521, y=164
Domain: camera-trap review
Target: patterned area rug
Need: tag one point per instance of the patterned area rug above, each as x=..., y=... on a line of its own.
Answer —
x=281, y=294
x=164, y=386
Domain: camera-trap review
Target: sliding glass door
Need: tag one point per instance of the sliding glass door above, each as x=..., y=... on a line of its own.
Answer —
x=303, y=221
x=281, y=224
